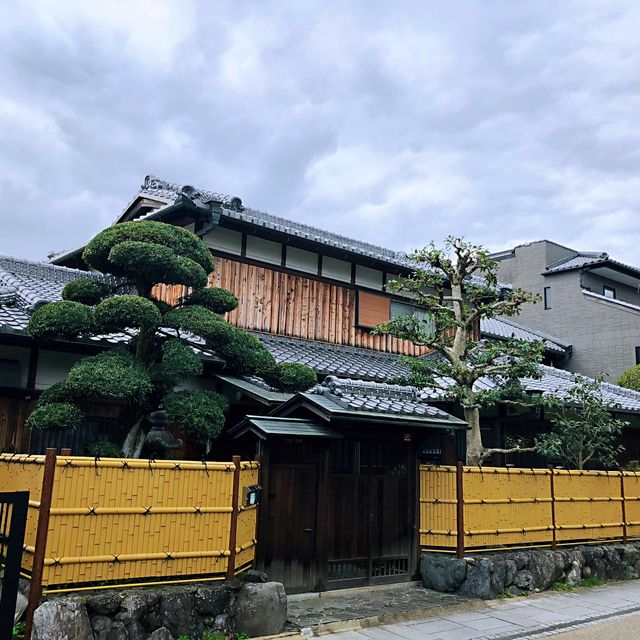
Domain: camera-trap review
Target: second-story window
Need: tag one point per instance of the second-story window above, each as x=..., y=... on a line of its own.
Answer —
x=547, y=297
x=399, y=309
x=609, y=292
x=637, y=355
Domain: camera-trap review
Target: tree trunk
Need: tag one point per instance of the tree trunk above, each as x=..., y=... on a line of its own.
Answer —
x=131, y=441
x=474, y=436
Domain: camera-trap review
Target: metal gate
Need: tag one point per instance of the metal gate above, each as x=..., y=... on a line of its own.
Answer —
x=13, y=520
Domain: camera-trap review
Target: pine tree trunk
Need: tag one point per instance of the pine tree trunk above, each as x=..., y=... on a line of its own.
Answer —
x=474, y=436
x=131, y=441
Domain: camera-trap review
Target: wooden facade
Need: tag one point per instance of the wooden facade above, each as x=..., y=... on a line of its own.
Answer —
x=280, y=302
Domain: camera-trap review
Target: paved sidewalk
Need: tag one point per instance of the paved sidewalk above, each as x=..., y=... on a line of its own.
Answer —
x=516, y=618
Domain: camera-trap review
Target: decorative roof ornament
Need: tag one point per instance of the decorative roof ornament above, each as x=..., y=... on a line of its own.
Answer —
x=155, y=186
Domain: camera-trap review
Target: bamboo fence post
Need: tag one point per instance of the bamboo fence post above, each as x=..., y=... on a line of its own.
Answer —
x=35, y=590
x=258, y=459
x=623, y=504
x=459, y=509
x=233, y=529
x=554, y=542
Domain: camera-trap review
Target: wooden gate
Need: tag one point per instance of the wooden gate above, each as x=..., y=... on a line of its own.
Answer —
x=13, y=520
x=370, y=514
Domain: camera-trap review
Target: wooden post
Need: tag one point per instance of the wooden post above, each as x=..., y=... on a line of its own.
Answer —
x=233, y=529
x=460, y=509
x=624, y=508
x=554, y=542
x=258, y=459
x=35, y=591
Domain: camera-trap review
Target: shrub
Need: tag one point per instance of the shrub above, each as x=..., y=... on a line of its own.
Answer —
x=213, y=298
x=631, y=378
x=63, y=319
x=198, y=412
x=86, y=291
x=57, y=392
x=178, y=361
x=201, y=322
x=294, y=377
x=104, y=449
x=56, y=416
x=119, y=312
x=182, y=242
x=115, y=374
x=243, y=353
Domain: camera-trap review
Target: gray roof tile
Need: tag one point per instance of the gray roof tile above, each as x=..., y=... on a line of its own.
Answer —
x=503, y=329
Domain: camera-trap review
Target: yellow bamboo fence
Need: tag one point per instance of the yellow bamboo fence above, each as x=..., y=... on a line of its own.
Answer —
x=483, y=508
x=113, y=520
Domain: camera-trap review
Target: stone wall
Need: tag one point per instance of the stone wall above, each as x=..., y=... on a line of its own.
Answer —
x=164, y=613
x=521, y=572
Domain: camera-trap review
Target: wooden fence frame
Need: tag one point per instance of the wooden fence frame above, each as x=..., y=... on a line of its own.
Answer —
x=556, y=531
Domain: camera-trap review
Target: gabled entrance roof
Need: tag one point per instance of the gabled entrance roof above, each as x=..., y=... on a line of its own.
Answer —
x=272, y=426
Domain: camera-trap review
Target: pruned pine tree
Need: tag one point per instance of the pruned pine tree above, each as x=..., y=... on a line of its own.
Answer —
x=457, y=285
x=145, y=371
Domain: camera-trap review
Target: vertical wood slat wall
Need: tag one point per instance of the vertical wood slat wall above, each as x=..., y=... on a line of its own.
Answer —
x=120, y=520
x=293, y=305
x=517, y=507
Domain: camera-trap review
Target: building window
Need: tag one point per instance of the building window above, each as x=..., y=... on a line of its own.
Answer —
x=372, y=310
x=399, y=309
x=637, y=355
x=547, y=297
x=609, y=292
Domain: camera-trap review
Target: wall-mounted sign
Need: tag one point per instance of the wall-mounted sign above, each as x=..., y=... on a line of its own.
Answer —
x=252, y=495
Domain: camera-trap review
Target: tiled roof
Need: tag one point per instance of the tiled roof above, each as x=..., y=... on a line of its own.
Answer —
x=395, y=399
x=232, y=207
x=503, y=329
x=332, y=359
x=584, y=259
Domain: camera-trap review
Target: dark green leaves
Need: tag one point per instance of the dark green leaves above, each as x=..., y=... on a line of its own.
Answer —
x=121, y=312
x=213, y=298
x=86, y=291
x=110, y=375
x=294, y=377
x=631, y=378
x=197, y=412
x=64, y=319
x=56, y=416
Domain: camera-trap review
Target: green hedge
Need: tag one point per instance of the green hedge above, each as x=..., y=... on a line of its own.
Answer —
x=86, y=291
x=120, y=312
x=631, y=378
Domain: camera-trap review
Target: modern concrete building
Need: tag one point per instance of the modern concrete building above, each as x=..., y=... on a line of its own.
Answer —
x=588, y=301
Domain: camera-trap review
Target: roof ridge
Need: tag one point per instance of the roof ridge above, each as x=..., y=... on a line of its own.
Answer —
x=536, y=332
x=46, y=266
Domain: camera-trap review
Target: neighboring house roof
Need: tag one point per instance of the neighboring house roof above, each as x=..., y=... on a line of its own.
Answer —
x=503, y=329
x=589, y=260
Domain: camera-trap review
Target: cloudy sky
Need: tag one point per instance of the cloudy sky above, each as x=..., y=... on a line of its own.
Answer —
x=394, y=122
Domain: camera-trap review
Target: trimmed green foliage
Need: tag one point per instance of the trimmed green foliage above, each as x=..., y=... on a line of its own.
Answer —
x=213, y=298
x=86, y=291
x=162, y=306
x=591, y=582
x=57, y=392
x=197, y=412
x=243, y=353
x=56, y=416
x=120, y=312
x=562, y=586
x=294, y=377
x=180, y=241
x=201, y=322
x=178, y=361
x=631, y=378
x=267, y=367
x=63, y=319
x=149, y=263
x=104, y=449
x=110, y=375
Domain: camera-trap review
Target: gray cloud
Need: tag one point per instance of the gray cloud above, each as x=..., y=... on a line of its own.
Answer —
x=397, y=123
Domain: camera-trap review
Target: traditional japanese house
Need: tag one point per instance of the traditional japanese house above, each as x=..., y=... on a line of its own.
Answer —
x=339, y=500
